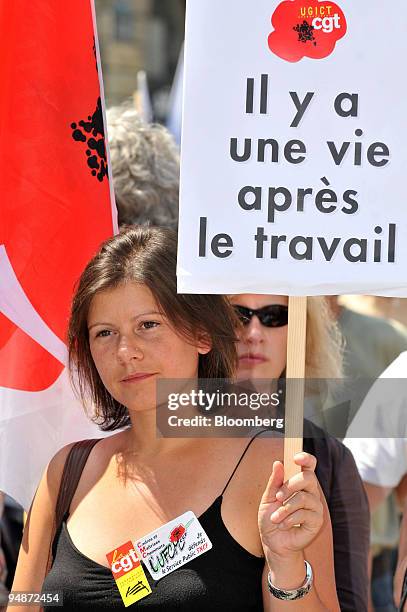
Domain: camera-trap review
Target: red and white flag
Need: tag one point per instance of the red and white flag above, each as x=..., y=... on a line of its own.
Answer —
x=56, y=207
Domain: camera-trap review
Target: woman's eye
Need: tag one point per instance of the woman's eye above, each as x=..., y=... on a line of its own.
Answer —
x=149, y=324
x=103, y=333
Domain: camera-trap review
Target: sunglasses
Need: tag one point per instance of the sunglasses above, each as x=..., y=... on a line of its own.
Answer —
x=274, y=315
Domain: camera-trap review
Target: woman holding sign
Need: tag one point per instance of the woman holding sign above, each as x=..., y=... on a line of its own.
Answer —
x=211, y=519
x=262, y=352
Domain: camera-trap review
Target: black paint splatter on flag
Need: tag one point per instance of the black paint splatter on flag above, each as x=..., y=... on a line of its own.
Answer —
x=92, y=132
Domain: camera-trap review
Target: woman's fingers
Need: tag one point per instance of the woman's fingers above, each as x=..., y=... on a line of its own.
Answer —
x=306, y=461
x=305, y=481
x=299, y=494
x=299, y=501
x=274, y=483
x=307, y=519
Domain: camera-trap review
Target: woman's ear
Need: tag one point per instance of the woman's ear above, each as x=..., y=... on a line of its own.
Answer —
x=203, y=343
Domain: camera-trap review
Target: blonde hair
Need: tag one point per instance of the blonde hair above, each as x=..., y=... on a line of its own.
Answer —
x=324, y=344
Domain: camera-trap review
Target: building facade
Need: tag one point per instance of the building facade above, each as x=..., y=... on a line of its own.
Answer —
x=139, y=35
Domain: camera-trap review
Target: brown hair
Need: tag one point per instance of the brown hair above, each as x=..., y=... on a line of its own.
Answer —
x=146, y=255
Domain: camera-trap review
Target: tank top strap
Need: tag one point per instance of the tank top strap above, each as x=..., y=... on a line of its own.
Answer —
x=241, y=458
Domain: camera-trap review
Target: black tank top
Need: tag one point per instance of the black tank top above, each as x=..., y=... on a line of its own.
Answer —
x=227, y=577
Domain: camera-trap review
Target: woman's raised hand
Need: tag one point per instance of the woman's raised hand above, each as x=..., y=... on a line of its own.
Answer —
x=284, y=506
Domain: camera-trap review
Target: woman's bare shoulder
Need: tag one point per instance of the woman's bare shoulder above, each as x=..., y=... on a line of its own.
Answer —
x=55, y=467
x=257, y=463
x=104, y=448
x=268, y=444
x=107, y=449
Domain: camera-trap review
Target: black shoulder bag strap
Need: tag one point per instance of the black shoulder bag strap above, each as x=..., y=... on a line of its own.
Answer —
x=74, y=464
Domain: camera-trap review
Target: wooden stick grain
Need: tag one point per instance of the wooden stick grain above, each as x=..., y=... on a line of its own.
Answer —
x=294, y=404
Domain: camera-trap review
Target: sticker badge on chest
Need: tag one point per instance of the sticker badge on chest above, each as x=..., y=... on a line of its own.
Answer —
x=128, y=574
x=173, y=545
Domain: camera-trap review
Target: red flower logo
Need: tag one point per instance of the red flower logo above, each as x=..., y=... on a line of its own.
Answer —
x=306, y=29
x=177, y=533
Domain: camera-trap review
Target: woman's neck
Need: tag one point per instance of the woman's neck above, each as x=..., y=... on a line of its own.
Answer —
x=145, y=439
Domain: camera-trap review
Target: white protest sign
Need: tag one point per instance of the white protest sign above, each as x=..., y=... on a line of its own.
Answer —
x=294, y=148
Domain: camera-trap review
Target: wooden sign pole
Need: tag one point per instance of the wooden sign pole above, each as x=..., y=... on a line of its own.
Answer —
x=294, y=405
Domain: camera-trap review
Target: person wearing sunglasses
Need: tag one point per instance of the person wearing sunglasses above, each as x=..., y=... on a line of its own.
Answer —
x=262, y=352
x=263, y=336
x=273, y=315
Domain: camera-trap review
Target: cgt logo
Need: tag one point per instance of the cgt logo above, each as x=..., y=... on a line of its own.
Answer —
x=122, y=560
x=306, y=29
